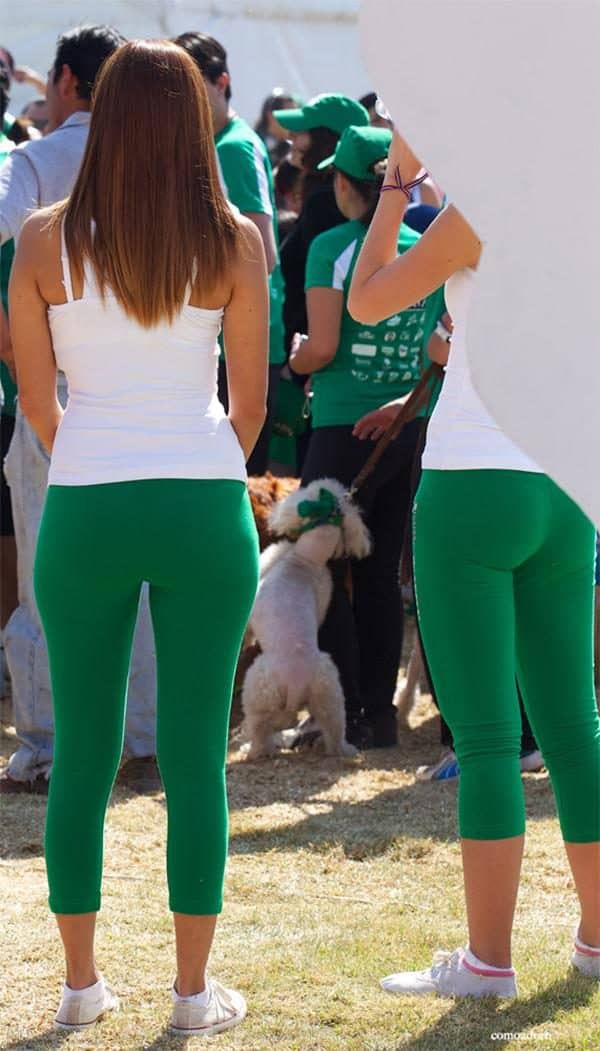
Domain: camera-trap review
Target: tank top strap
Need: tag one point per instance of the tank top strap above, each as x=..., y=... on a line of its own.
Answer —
x=190, y=286
x=90, y=285
x=64, y=262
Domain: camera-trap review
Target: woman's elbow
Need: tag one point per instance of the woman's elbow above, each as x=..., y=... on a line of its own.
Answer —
x=250, y=414
x=360, y=308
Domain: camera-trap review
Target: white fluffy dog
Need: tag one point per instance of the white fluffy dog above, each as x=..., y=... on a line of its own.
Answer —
x=294, y=593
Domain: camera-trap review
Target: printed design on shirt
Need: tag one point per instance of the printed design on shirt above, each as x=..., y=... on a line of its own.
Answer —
x=390, y=353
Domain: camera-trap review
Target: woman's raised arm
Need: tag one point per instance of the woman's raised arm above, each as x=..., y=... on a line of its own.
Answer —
x=385, y=283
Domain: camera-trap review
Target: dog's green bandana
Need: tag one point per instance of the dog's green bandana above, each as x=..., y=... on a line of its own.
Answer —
x=324, y=511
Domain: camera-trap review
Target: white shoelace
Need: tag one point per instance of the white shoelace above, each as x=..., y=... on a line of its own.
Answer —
x=444, y=960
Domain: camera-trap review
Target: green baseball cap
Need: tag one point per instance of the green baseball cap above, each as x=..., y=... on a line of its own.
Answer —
x=335, y=112
x=358, y=150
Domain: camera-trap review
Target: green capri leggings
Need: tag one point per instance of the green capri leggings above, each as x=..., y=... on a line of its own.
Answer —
x=504, y=574
x=195, y=543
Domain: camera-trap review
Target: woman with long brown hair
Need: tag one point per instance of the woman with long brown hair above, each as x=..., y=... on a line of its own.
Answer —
x=125, y=287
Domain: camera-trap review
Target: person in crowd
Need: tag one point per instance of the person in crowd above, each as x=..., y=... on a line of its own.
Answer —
x=288, y=197
x=314, y=130
x=353, y=367
x=36, y=111
x=125, y=285
x=376, y=120
x=38, y=174
x=270, y=130
x=18, y=128
x=248, y=178
x=494, y=604
x=8, y=390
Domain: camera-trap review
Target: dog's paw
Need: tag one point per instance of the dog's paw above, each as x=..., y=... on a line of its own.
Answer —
x=349, y=750
x=345, y=750
x=251, y=751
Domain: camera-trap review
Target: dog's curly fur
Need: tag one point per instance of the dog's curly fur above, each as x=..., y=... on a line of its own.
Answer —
x=293, y=596
x=265, y=491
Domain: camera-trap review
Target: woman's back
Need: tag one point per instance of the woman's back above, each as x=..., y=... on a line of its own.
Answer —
x=462, y=434
x=142, y=401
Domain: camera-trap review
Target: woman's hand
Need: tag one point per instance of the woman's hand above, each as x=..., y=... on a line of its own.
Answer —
x=297, y=340
x=402, y=157
x=376, y=423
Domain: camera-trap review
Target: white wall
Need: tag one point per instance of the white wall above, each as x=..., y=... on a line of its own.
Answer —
x=306, y=46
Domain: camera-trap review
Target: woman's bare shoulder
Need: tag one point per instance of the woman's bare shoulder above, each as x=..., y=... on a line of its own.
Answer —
x=40, y=232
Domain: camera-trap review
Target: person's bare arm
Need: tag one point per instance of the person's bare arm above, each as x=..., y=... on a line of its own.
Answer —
x=264, y=224
x=32, y=345
x=324, y=311
x=385, y=283
x=246, y=339
x=27, y=75
x=375, y=423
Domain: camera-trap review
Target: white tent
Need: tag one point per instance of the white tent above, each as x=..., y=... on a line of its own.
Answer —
x=304, y=46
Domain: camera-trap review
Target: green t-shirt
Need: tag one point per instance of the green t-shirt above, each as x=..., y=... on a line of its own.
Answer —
x=7, y=252
x=247, y=174
x=373, y=363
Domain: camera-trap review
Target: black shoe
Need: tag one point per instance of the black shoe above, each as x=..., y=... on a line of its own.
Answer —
x=140, y=774
x=385, y=729
x=359, y=732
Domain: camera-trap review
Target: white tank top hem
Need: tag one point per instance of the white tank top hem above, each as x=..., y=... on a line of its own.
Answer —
x=142, y=402
x=462, y=434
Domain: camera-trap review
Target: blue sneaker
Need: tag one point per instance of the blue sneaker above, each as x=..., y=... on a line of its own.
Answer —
x=446, y=768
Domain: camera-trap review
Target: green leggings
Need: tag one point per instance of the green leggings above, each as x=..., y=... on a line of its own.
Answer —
x=504, y=573
x=195, y=543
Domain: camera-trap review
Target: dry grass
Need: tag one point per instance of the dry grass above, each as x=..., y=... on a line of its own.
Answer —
x=339, y=872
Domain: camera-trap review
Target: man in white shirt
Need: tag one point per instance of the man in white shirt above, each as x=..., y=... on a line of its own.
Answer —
x=35, y=175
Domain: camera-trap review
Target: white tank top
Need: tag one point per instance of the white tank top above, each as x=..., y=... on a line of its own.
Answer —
x=462, y=435
x=142, y=402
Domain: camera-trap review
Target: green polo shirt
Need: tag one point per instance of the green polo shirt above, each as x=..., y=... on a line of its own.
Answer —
x=248, y=178
x=373, y=363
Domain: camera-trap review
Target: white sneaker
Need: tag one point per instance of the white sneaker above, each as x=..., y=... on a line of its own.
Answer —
x=82, y=1007
x=531, y=762
x=586, y=958
x=225, y=1009
x=453, y=974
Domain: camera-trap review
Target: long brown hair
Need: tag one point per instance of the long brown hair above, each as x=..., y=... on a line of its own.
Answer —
x=147, y=208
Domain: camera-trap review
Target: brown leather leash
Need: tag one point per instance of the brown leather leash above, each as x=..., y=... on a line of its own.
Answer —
x=419, y=396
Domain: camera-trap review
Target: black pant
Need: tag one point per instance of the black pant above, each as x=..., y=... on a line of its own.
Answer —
x=259, y=458
x=365, y=638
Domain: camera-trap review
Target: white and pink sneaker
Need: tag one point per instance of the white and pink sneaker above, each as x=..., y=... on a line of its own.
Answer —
x=457, y=973
x=80, y=1008
x=586, y=958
